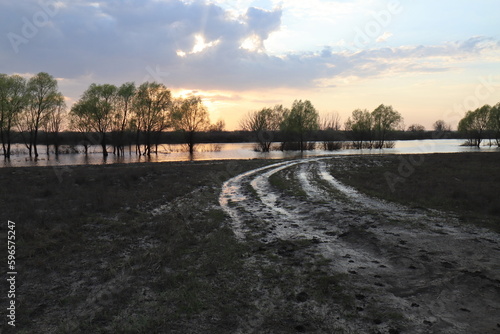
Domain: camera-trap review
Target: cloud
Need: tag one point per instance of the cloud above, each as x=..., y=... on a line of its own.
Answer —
x=384, y=37
x=111, y=38
x=117, y=41
x=263, y=22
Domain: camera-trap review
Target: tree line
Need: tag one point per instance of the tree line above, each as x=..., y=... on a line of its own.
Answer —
x=137, y=116
x=29, y=106
x=130, y=114
x=105, y=114
x=363, y=128
x=366, y=129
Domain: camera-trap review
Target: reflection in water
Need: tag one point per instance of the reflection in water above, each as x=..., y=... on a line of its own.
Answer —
x=231, y=152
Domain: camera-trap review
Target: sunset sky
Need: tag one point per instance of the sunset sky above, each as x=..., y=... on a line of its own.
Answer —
x=430, y=60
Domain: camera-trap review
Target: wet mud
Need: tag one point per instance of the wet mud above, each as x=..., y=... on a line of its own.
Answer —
x=406, y=270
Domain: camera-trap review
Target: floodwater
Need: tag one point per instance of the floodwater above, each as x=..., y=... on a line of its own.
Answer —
x=231, y=151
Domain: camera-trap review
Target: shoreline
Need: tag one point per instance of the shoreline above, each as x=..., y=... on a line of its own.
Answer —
x=237, y=151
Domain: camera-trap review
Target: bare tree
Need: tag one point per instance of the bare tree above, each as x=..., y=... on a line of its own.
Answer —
x=441, y=127
x=264, y=123
x=218, y=126
x=330, y=125
x=331, y=121
x=416, y=128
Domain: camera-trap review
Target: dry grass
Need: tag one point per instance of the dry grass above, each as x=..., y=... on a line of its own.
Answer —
x=93, y=258
x=145, y=248
x=465, y=183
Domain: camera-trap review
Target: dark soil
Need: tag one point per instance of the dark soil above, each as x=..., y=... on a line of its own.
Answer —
x=465, y=183
x=146, y=248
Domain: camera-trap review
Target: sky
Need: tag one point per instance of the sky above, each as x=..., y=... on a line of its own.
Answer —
x=430, y=60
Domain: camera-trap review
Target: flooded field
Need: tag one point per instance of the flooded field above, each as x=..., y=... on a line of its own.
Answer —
x=232, y=151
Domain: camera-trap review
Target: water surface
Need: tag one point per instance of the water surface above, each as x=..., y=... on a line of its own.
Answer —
x=231, y=151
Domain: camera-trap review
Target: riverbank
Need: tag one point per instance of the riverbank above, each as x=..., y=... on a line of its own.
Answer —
x=147, y=248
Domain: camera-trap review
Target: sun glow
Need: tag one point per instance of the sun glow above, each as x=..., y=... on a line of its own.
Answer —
x=252, y=43
x=200, y=45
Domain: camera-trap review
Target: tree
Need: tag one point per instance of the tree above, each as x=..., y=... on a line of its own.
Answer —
x=152, y=106
x=121, y=119
x=80, y=121
x=13, y=99
x=218, y=126
x=53, y=125
x=441, y=126
x=264, y=123
x=416, y=128
x=4, y=98
x=331, y=121
x=43, y=98
x=95, y=111
x=360, y=125
x=494, y=122
x=366, y=127
x=475, y=123
x=300, y=121
x=190, y=116
x=385, y=120
x=330, y=126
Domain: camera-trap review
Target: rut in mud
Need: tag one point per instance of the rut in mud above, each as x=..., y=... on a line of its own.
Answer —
x=404, y=270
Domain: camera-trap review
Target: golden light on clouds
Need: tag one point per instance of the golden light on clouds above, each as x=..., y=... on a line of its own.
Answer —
x=199, y=46
x=252, y=43
x=245, y=55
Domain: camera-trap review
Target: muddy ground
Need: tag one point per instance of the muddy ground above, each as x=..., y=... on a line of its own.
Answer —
x=240, y=247
x=405, y=270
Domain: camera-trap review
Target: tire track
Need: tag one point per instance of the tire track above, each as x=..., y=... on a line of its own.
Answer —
x=419, y=262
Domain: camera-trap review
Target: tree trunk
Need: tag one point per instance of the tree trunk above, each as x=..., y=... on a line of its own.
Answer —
x=137, y=143
x=103, y=144
x=56, y=143
x=3, y=143
x=191, y=142
x=30, y=144
x=35, y=139
x=301, y=142
x=148, y=144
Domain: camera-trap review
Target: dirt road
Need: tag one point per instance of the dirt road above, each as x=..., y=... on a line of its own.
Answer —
x=402, y=270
